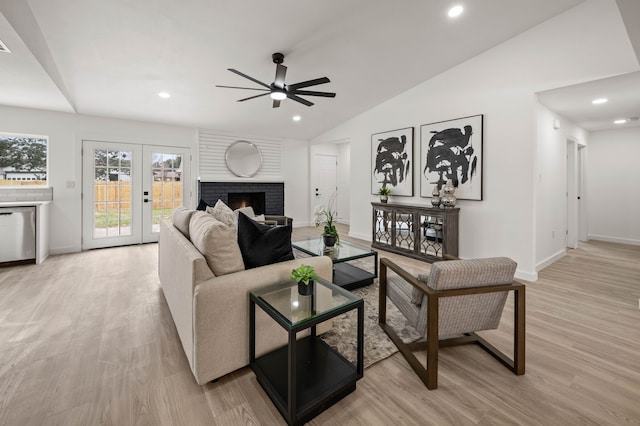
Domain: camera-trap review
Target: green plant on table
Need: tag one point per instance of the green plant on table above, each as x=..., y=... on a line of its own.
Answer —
x=304, y=274
x=384, y=191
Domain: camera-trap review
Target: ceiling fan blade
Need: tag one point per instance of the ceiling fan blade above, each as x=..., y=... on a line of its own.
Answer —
x=246, y=88
x=249, y=78
x=299, y=99
x=281, y=72
x=312, y=93
x=252, y=97
x=308, y=83
x=276, y=103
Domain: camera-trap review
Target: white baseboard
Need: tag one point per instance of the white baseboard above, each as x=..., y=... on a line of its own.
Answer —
x=64, y=250
x=527, y=276
x=618, y=240
x=297, y=224
x=549, y=260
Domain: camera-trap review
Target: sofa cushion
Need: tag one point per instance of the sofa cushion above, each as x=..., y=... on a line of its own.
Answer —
x=224, y=214
x=263, y=244
x=217, y=243
x=181, y=218
x=246, y=210
x=202, y=205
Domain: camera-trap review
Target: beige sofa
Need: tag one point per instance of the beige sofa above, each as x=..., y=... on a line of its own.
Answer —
x=211, y=313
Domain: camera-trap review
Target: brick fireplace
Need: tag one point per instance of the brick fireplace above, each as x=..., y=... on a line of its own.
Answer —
x=245, y=192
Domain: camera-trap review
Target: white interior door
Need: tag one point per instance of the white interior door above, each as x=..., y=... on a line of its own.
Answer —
x=325, y=180
x=128, y=189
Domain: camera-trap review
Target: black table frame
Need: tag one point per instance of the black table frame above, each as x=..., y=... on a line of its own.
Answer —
x=316, y=379
x=345, y=275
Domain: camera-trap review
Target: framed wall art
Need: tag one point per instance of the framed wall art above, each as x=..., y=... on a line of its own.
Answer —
x=392, y=161
x=452, y=150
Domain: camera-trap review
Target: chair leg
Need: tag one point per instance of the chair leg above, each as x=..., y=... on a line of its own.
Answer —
x=428, y=376
x=519, y=331
x=432, y=342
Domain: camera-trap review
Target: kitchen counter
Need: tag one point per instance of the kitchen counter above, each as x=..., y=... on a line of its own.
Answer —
x=23, y=203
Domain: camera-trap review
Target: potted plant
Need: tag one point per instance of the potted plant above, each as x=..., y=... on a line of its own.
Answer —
x=325, y=216
x=384, y=193
x=304, y=275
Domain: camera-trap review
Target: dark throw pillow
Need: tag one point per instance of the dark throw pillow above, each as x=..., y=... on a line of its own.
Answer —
x=202, y=205
x=263, y=244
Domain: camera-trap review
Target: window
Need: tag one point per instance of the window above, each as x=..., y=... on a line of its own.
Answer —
x=23, y=160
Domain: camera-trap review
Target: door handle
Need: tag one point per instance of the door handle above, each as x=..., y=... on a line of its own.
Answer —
x=146, y=200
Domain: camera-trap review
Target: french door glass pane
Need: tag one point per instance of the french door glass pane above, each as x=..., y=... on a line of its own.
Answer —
x=112, y=193
x=167, y=186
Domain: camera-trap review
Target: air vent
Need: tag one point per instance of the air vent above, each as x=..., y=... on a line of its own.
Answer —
x=4, y=48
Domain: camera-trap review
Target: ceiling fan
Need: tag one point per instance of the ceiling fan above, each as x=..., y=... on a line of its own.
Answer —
x=278, y=90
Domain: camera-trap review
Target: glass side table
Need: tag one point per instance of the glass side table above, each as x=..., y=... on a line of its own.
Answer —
x=306, y=376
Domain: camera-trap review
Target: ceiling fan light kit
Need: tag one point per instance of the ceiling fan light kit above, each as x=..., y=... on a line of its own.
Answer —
x=278, y=90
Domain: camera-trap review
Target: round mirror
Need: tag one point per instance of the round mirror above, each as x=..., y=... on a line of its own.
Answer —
x=243, y=158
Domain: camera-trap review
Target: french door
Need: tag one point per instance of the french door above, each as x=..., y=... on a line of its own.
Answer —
x=128, y=188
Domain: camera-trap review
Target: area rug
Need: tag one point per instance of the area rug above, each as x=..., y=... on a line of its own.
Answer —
x=377, y=345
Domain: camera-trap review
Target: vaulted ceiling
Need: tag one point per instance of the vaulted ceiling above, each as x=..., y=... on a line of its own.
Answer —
x=112, y=58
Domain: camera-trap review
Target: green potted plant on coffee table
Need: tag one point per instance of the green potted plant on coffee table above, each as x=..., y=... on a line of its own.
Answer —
x=304, y=275
x=325, y=215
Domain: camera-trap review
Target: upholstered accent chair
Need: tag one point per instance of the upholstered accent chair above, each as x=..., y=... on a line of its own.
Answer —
x=457, y=299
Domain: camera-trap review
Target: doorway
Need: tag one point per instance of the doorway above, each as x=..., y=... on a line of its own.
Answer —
x=127, y=189
x=576, y=228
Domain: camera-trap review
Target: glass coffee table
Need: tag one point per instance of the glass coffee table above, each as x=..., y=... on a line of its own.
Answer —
x=307, y=375
x=345, y=274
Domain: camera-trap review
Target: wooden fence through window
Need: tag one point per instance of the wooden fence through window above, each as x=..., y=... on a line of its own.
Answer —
x=165, y=195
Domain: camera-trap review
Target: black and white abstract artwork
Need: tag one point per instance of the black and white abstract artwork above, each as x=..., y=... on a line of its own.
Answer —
x=452, y=150
x=392, y=161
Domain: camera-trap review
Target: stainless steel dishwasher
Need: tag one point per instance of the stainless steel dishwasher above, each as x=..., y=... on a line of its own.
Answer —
x=17, y=233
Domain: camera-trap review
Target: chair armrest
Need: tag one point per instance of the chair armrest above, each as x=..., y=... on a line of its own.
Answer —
x=268, y=222
x=387, y=263
x=280, y=220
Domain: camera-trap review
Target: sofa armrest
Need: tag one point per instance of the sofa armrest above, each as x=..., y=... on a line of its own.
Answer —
x=221, y=317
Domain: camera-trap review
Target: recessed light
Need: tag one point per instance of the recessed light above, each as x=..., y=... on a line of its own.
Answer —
x=599, y=101
x=164, y=95
x=455, y=11
x=620, y=121
x=297, y=118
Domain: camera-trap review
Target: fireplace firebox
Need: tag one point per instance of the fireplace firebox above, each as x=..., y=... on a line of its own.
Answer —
x=243, y=199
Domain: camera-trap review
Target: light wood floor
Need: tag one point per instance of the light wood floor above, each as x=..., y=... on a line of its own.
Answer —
x=87, y=339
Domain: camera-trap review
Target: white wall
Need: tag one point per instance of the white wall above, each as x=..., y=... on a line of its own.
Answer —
x=551, y=183
x=295, y=171
x=66, y=132
x=344, y=182
x=500, y=84
x=613, y=185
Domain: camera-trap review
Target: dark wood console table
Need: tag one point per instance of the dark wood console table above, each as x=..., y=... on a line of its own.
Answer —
x=422, y=232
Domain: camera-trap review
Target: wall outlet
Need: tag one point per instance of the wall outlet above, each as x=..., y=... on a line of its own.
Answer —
x=71, y=184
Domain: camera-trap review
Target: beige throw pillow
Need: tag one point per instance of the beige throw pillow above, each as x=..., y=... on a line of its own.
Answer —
x=181, y=218
x=224, y=214
x=217, y=242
